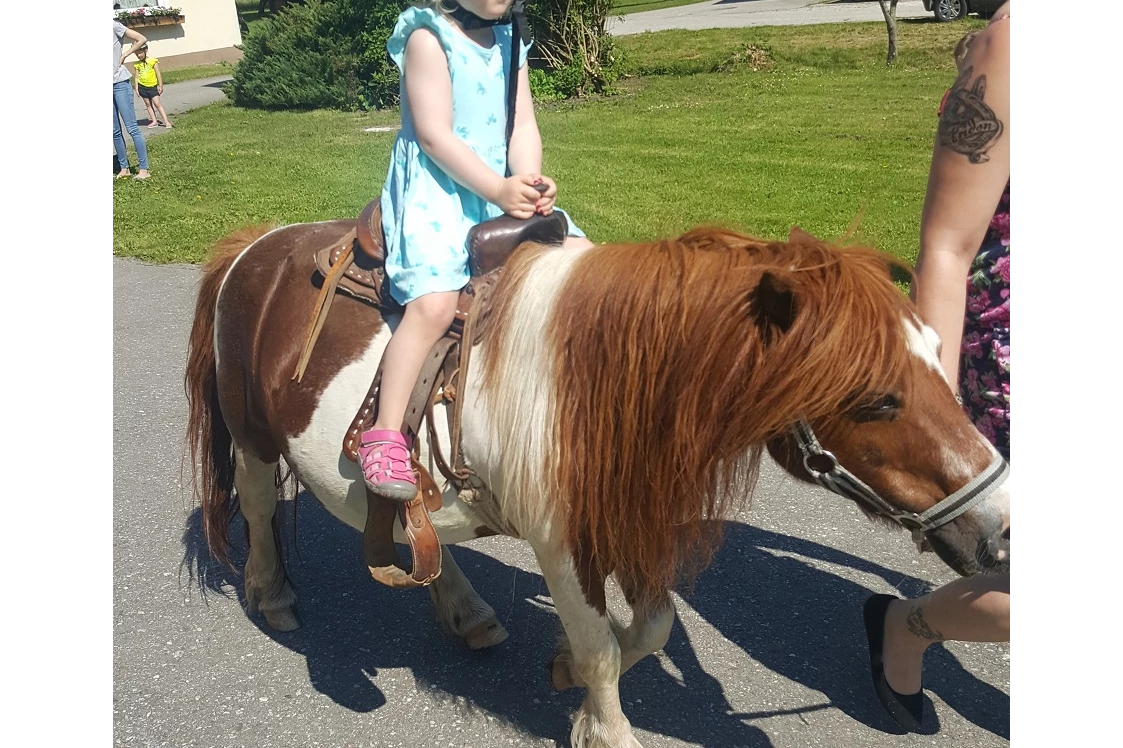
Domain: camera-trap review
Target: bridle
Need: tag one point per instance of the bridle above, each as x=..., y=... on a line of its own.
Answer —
x=827, y=472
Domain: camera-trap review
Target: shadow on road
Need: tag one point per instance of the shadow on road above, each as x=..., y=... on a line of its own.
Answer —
x=801, y=622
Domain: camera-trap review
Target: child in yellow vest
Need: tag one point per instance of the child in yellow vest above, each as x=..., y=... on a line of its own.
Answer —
x=149, y=85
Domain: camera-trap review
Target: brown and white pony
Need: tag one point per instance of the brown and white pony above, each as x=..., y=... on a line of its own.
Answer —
x=623, y=399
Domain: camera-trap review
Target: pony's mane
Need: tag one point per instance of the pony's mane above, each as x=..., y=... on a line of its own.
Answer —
x=669, y=379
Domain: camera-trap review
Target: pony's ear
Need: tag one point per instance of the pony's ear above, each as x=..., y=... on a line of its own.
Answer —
x=772, y=305
x=799, y=236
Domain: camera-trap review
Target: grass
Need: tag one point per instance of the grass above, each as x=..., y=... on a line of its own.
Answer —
x=193, y=72
x=624, y=7
x=825, y=135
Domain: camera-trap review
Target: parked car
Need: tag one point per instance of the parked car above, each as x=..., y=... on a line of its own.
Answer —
x=953, y=10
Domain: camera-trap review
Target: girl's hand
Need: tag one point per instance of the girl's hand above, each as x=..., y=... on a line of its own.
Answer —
x=160, y=89
x=548, y=196
x=517, y=196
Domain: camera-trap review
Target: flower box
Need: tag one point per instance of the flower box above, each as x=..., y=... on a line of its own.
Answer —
x=153, y=20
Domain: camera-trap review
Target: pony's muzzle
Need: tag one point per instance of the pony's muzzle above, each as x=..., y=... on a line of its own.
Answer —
x=997, y=550
x=972, y=552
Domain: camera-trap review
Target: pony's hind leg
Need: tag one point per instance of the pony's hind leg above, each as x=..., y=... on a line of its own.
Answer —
x=594, y=656
x=460, y=608
x=267, y=588
x=647, y=633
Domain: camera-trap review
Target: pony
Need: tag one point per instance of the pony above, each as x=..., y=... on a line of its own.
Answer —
x=621, y=402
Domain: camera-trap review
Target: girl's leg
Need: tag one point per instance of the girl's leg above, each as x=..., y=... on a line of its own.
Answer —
x=163, y=115
x=123, y=103
x=969, y=609
x=576, y=242
x=383, y=449
x=148, y=104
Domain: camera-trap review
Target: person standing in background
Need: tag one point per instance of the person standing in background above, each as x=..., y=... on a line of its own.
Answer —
x=123, y=108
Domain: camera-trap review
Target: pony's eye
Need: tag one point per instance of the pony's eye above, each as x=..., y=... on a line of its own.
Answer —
x=883, y=408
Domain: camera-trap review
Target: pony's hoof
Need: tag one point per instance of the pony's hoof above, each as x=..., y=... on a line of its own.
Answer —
x=560, y=677
x=487, y=634
x=282, y=620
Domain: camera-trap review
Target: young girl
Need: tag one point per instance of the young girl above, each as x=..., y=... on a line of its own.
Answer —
x=149, y=85
x=448, y=172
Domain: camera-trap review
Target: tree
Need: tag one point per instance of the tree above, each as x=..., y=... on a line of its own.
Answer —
x=889, y=10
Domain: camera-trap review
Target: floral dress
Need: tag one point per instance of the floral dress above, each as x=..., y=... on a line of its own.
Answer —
x=426, y=214
x=984, y=369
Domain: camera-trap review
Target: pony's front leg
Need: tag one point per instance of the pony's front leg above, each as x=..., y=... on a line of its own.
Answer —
x=460, y=608
x=594, y=653
x=267, y=588
x=647, y=633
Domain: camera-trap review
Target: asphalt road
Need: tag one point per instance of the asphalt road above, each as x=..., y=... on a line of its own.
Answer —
x=768, y=649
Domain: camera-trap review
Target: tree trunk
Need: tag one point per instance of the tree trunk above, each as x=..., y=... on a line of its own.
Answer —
x=890, y=12
x=276, y=5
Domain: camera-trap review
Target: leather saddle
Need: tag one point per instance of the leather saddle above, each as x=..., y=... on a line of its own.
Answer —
x=354, y=266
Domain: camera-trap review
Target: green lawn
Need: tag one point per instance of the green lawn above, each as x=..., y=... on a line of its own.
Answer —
x=197, y=71
x=624, y=7
x=824, y=135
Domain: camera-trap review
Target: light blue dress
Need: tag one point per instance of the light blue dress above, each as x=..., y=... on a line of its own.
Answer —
x=426, y=214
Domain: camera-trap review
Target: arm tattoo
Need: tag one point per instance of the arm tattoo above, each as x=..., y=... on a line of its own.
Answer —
x=968, y=125
x=917, y=625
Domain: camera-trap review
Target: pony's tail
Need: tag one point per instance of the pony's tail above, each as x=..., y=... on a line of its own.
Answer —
x=208, y=438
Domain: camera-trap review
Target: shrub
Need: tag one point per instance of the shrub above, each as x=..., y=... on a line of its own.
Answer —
x=322, y=54
x=332, y=53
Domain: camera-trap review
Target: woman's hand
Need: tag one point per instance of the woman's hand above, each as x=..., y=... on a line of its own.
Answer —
x=517, y=196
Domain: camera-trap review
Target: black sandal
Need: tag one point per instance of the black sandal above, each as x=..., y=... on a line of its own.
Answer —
x=907, y=710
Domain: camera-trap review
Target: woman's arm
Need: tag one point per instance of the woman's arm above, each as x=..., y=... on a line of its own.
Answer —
x=138, y=40
x=429, y=92
x=970, y=168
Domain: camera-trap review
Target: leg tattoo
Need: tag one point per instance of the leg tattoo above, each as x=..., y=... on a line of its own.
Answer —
x=918, y=626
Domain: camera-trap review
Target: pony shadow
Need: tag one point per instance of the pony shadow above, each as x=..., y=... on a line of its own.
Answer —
x=801, y=622
x=806, y=624
x=353, y=629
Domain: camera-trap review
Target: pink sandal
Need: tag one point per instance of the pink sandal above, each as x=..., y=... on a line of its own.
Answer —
x=387, y=471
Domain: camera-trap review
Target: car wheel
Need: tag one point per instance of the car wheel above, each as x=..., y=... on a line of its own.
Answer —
x=949, y=10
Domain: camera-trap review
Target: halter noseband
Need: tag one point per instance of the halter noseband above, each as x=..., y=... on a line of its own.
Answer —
x=824, y=468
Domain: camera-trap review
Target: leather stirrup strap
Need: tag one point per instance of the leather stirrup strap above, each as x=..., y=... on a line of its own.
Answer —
x=466, y=343
x=323, y=303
